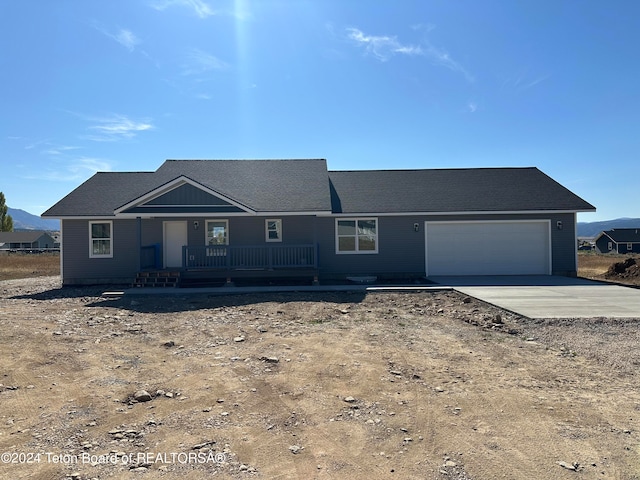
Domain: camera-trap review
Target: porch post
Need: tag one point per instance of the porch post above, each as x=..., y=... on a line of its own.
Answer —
x=139, y=236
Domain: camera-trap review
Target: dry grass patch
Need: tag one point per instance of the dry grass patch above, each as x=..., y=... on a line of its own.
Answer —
x=17, y=265
x=595, y=266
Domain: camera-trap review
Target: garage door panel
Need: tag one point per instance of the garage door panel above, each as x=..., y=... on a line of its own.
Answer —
x=487, y=248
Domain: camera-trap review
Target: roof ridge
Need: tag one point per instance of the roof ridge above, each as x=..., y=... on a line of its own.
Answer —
x=457, y=169
x=245, y=159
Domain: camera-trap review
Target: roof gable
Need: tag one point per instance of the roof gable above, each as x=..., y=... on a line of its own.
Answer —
x=261, y=185
x=188, y=194
x=256, y=186
x=181, y=195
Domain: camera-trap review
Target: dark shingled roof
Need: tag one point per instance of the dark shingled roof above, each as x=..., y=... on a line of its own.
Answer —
x=306, y=186
x=450, y=190
x=624, y=235
x=102, y=194
x=21, y=236
x=260, y=185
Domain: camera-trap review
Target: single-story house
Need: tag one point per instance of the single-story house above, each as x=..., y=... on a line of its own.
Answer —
x=26, y=240
x=619, y=240
x=233, y=218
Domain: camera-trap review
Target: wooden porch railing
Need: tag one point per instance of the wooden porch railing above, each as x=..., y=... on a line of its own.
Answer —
x=267, y=257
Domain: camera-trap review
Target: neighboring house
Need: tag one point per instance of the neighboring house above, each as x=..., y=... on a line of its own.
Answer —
x=619, y=240
x=26, y=240
x=232, y=218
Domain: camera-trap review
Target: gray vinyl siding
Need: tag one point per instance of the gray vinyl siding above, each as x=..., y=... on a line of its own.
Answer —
x=564, y=245
x=401, y=250
x=251, y=230
x=242, y=230
x=78, y=268
x=623, y=248
x=602, y=244
x=43, y=241
x=187, y=195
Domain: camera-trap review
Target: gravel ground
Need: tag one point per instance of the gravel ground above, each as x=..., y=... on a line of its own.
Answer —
x=326, y=385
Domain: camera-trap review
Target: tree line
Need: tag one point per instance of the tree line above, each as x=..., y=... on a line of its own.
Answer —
x=6, y=222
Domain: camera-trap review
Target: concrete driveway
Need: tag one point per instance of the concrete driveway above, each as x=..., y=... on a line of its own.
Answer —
x=550, y=296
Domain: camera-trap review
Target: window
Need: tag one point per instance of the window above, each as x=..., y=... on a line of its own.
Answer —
x=629, y=247
x=217, y=232
x=610, y=245
x=100, y=239
x=273, y=230
x=357, y=235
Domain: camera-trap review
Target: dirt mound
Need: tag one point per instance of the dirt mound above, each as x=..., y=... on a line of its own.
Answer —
x=627, y=268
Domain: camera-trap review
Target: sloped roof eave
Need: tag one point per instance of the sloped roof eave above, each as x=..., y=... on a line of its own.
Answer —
x=454, y=212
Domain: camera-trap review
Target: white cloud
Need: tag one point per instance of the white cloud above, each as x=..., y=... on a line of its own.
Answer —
x=127, y=39
x=421, y=26
x=200, y=8
x=78, y=169
x=124, y=37
x=200, y=62
x=89, y=165
x=382, y=47
x=472, y=106
x=440, y=57
x=58, y=149
x=116, y=127
x=532, y=83
x=523, y=81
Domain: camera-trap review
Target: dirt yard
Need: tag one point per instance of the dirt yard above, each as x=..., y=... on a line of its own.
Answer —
x=601, y=267
x=426, y=385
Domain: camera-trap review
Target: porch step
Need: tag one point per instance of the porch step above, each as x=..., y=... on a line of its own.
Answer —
x=159, y=278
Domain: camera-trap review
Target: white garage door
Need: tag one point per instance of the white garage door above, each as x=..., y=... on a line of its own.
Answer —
x=488, y=248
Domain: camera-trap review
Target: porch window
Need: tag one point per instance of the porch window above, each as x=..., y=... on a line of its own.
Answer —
x=217, y=232
x=273, y=229
x=217, y=236
x=357, y=235
x=100, y=239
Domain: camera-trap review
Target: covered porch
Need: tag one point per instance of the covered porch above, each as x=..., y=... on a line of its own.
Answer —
x=206, y=264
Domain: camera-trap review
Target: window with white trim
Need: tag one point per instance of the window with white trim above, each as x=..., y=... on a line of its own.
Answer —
x=273, y=230
x=356, y=235
x=217, y=232
x=101, y=239
x=629, y=247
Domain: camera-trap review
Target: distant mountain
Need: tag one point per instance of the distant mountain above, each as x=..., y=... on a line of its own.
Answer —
x=25, y=221
x=592, y=229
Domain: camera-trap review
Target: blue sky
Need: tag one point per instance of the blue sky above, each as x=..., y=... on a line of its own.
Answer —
x=122, y=85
